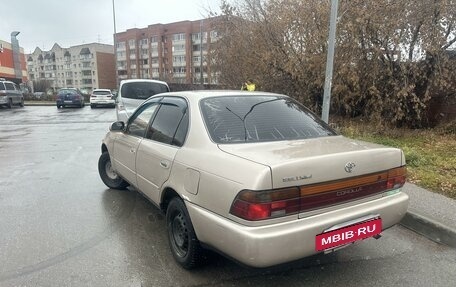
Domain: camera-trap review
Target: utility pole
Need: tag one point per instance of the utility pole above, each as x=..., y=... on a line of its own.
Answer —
x=115, y=43
x=201, y=53
x=330, y=61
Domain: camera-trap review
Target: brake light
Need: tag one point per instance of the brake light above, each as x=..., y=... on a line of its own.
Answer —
x=266, y=204
x=396, y=177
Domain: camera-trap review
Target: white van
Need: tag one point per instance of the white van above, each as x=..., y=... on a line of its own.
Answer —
x=10, y=94
x=133, y=92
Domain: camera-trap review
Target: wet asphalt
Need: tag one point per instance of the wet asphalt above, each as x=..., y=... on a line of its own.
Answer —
x=61, y=226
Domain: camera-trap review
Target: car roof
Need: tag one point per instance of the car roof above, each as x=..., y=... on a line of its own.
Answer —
x=141, y=80
x=202, y=94
x=102, y=90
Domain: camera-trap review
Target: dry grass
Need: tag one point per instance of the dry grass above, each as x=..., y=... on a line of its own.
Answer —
x=430, y=153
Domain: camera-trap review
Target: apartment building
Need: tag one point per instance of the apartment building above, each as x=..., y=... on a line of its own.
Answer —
x=176, y=53
x=12, y=65
x=86, y=67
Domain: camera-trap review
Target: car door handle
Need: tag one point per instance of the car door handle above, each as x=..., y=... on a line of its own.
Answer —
x=164, y=163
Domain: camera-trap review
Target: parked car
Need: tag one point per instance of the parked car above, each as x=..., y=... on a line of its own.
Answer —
x=134, y=92
x=10, y=94
x=102, y=97
x=69, y=97
x=253, y=175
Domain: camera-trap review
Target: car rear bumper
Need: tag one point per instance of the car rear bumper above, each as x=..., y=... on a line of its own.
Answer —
x=102, y=102
x=278, y=243
x=69, y=102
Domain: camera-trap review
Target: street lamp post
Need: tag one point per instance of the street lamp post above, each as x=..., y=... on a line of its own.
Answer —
x=16, y=55
x=330, y=61
x=115, y=42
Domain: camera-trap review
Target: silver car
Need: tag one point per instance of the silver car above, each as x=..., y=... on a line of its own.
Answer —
x=134, y=92
x=255, y=176
x=10, y=94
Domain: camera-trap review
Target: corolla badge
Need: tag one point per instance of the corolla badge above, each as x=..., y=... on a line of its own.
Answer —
x=349, y=166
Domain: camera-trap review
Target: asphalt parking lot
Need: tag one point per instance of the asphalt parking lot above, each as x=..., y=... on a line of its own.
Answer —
x=61, y=226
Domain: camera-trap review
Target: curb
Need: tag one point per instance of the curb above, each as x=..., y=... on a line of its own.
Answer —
x=429, y=228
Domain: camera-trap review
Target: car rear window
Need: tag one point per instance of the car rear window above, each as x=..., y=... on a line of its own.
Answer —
x=142, y=90
x=260, y=119
x=66, y=91
x=99, y=93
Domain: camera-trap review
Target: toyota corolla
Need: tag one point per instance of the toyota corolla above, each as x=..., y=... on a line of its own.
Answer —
x=255, y=176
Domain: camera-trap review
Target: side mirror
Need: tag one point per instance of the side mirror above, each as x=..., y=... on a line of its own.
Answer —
x=117, y=126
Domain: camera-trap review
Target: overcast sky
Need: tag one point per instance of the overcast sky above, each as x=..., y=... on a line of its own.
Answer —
x=42, y=23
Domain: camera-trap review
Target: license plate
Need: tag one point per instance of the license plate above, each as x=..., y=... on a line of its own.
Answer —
x=349, y=234
x=68, y=102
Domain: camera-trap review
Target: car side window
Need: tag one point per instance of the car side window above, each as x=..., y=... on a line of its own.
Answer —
x=2, y=87
x=181, y=132
x=171, y=123
x=140, y=121
x=9, y=86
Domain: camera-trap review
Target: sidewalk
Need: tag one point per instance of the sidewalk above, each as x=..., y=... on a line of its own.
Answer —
x=431, y=215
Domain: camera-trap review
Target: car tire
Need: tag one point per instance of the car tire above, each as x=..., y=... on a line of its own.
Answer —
x=21, y=104
x=92, y=106
x=9, y=105
x=182, y=239
x=108, y=175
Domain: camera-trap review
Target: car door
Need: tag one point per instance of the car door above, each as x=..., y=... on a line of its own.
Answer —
x=126, y=143
x=157, y=151
x=11, y=92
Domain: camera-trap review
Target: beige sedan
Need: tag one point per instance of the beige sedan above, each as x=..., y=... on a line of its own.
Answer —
x=255, y=176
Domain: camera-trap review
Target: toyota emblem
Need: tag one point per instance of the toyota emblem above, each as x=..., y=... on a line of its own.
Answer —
x=349, y=166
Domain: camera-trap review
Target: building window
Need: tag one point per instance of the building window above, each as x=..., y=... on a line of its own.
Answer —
x=132, y=43
x=179, y=59
x=179, y=37
x=214, y=36
x=154, y=39
x=143, y=41
x=120, y=45
x=178, y=48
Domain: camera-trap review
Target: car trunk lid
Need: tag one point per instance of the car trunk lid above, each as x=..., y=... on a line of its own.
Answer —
x=312, y=161
x=311, y=174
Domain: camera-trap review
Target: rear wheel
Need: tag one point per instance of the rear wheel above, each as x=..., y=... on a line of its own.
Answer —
x=108, y=175
x=22, y=102
x=183, y=242
x=9, y=105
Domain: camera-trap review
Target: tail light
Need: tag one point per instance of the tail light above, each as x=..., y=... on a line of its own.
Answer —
x=259, y=205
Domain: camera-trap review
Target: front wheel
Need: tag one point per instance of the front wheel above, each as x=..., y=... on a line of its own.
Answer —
x=9, y=105
x=108, y=175
x=183, y=242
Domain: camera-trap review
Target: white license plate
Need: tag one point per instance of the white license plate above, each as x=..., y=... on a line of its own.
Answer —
x=349, y=234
